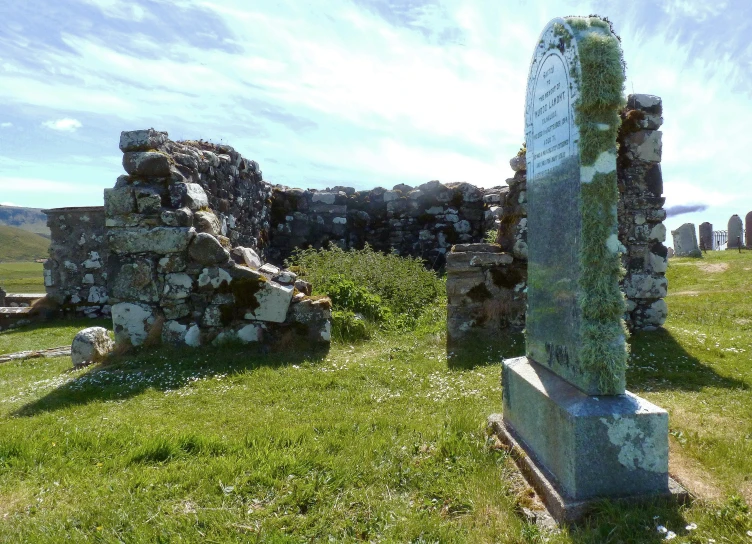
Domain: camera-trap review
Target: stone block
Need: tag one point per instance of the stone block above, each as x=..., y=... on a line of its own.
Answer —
x=149, y=164
x=190, y=195
x=272, y=300
x=119, y=201
x=160, y=240
x=132, y=322
x=133, y=281
x=594, y=446
x=462, y=261
x=148, y=199
x=207, y=221
x=141, y=140
x=91, y=345
x=177, y=286
x=206, y=250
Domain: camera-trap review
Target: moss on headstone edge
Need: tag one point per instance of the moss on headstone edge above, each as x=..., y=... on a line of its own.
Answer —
x=604, y=351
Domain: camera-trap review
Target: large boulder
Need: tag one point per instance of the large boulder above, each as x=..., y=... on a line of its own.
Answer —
x=91, y=346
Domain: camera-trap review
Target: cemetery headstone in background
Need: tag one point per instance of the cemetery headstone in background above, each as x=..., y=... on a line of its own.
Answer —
x=748, y=230
x=706, y=236
x=685, y=241
x=565, y=404
x=734, y=232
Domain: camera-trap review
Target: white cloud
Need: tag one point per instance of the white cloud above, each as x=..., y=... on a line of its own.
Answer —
x=64, y=125
x=8, y=204
x=6, y=125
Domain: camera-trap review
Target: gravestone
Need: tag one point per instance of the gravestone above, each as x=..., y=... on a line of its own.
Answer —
x=565, y=405
x=748, y=230
x=735, y=240
x=706, y=236
x=685, y=241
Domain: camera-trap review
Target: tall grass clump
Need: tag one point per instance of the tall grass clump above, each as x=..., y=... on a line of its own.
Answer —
x=369, y=290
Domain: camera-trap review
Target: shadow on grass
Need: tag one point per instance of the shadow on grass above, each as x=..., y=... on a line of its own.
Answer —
x=659, y=363
x=162, y=368
x=479, y=350
x=612, y=521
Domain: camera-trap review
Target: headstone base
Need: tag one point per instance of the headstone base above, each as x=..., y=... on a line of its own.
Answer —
x=580, y=448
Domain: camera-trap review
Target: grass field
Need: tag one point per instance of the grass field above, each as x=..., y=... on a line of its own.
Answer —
x=379, y=441
x=22, y=277
x=20, y=245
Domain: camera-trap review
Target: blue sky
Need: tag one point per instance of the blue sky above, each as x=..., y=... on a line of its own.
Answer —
x=352, y=92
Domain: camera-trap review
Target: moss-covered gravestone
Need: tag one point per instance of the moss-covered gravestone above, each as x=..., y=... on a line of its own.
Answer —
x=565, y=404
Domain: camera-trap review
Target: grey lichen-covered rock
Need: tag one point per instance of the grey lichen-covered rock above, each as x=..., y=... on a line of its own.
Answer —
x=91, y=345
x=119, y=201
x=207, y=221
x=160, y=240
x=177, y=286
x=141, y=140
x=133, y=281
x=685, y=241
x=206, y=249
x=246, y=256
x=146, y=164
x=190, y=195
x=148, y=199
x=132, y=322
x=273, y=301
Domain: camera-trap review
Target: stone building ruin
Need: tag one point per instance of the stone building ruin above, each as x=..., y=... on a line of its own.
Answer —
x=140, y=247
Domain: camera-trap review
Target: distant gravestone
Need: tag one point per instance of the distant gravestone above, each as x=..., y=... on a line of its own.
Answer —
x=735, y=240
x=565, y=404
x=748, y=230
x=685, y=241
x=706, y=236
x=2, y=296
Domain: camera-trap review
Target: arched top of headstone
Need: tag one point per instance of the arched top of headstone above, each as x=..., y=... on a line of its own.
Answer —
x=574, y=96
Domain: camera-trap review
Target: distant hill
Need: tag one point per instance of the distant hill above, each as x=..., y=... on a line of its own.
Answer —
x=28, y=219
x=20, y=245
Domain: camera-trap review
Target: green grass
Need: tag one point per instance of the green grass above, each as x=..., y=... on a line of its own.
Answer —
x=22, y=277
x=20, y=245
x=378, y=441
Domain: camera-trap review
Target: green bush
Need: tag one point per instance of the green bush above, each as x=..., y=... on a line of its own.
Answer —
x=386, y=289
x=349, y=327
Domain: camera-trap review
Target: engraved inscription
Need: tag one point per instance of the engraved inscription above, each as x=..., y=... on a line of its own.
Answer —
x=550, y=120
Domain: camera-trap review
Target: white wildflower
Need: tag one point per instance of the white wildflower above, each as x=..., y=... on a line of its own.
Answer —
x=661, y=529
x=691, y=527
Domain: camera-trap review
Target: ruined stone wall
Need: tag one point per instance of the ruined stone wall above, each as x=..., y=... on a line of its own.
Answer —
x=421, y=221
x=75, y=274
x=641, y=213
x=172, y=272
x=641, y=232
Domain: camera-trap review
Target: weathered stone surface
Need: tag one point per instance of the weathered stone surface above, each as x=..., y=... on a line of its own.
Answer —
x=132, y=322
x=133, y=281
x=206, y=249
x=174, y=332
x=159, y=240
x=207, y=221
x=190, y=195
x=246, y=256
x=119, y=201
x=685, y=241
x=460, y=261
x=251, y=333
x=273, y=301
x=91, y=345
x=146, y=164
x=706, y=236
x=177, y=286
x=735, y=239
x=215, y=277
x=141, y=140
x=476, y=248
x=148, y=199
x=606, y=446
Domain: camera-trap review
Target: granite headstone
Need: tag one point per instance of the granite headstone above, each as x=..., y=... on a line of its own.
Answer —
x=565, y=403
x=735, y=240
x=685, y=241
x=748, y=230
x=706, y=236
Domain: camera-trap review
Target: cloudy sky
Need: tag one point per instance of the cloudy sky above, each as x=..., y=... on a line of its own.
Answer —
x=354, y=92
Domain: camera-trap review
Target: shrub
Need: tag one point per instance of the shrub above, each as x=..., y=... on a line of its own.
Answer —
x=386, y=289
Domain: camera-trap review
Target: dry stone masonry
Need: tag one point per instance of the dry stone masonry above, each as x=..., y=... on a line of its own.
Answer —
x=173, y=274
x=75, y=275
x=641, y=213
x=421, y=221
